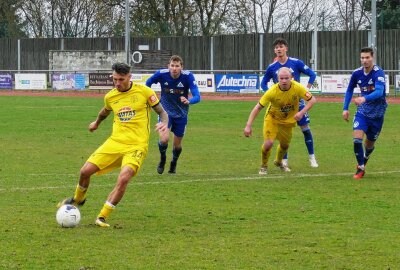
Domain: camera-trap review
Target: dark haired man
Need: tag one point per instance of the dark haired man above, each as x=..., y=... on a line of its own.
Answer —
x=371, y=107
x=127, y=146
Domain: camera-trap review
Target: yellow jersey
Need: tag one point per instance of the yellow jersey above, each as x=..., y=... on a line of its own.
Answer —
x=131, y=114
x=284, y=104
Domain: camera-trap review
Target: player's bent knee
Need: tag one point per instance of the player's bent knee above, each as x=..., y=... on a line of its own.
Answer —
x=88, y=169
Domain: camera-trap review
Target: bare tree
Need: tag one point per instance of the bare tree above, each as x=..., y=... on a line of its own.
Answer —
x=352, y=14
x=212, y=15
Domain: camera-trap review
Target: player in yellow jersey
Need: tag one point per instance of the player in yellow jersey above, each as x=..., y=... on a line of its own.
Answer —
x=127, y=146
x=281, y=116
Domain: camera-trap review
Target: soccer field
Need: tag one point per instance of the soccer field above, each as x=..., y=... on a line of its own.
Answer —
x=215, y=213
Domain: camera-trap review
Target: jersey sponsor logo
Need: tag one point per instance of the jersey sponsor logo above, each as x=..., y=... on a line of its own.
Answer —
x=126, y=113
x=287, y=108
x=237, y=82
x=152, y=98
x=367, y=88
x=174, y=91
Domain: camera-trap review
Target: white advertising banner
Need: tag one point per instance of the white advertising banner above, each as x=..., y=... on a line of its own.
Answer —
x=27, y=81
x=397, y=83
x=316, y=87
x=337, y=84
x=205, y=82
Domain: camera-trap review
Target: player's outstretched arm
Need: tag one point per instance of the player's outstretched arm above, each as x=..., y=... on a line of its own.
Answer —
x=100, y=117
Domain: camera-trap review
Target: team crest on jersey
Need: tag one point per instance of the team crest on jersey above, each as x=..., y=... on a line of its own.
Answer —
x=286, y=108
x=126, y=113
x=134, y=99
x=152, y=99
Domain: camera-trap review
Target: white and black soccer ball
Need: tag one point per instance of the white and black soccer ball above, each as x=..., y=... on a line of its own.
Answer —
x=68, y=216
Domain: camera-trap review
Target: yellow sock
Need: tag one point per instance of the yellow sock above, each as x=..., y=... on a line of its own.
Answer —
x=264, y=156
x=106, y=210
x=280, y=153
x=80, y=193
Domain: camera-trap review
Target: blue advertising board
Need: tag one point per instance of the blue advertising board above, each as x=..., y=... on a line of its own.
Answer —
x=6, y=81
x=68, y=81
x=241, y=83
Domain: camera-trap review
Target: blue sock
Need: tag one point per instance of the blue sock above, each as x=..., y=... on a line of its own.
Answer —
x=308, y=139
x=175, y=154
x=286, y=155
x=368, y=152
x=359, y=151
x=163, y=150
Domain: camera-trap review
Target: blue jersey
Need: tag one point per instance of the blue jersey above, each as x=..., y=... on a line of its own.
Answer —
x=296, y=66
x=372, y=86
x=172, y=90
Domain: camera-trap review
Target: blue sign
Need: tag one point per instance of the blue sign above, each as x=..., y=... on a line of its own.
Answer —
x=243, y=83
x=5, y=81
x=68, y=81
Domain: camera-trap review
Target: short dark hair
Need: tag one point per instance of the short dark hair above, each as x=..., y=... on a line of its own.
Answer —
x=367, y=50
x=280, y=41
x=176, y=58
x=121, y=68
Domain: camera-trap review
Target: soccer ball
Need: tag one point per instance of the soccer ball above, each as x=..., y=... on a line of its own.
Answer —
x=68, y=216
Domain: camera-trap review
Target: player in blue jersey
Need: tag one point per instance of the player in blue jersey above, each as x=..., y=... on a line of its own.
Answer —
x=297, y=67
x=371, y=107
x=175, y=86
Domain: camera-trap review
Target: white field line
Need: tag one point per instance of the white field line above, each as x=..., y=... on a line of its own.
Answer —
x=52, y=107
x=213, y=178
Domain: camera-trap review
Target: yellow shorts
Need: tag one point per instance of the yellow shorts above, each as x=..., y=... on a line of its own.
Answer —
x=112, y=155
x=274, y=129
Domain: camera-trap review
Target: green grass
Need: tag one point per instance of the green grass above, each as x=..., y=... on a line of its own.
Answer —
x=215, y=213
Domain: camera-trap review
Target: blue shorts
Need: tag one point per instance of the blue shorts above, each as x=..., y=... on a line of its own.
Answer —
x=177, y=125
x=306, y=118
x=371, y=127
